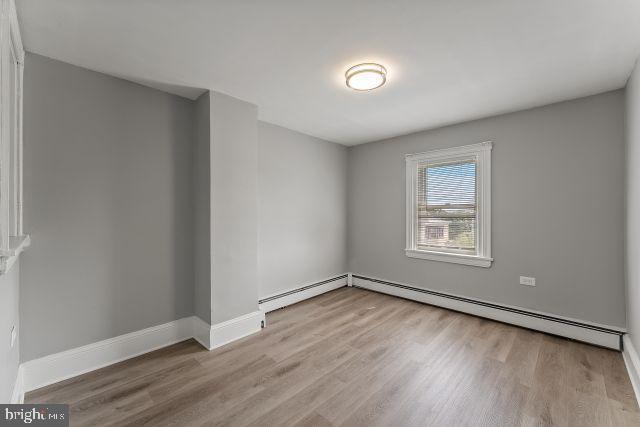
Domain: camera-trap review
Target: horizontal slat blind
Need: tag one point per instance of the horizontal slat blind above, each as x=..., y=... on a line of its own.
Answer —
x=447, y=205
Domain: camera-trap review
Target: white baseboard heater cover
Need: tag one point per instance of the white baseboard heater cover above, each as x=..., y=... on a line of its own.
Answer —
x=603, y=336
x=283, y=299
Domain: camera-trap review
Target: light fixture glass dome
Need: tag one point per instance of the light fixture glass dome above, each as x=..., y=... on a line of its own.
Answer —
x=366, y=76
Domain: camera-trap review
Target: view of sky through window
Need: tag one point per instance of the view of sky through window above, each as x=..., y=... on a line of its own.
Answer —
x=451, y=184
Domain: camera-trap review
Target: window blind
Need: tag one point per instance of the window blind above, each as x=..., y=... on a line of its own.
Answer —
x=446, y=204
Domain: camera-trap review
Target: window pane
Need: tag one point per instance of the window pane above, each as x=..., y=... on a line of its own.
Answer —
x=447, y=205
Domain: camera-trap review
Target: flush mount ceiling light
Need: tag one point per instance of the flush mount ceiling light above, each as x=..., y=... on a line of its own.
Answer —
x=366, y=76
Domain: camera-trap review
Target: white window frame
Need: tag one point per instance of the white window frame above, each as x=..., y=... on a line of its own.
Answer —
x=13, y=240
x=481, y=153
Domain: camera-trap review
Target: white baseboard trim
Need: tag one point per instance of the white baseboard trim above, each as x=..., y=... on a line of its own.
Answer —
x=601, y=335
x=57, y=367
x=632, y=361
x=292, y=296
x=202, y=332
x=214, y=336
x=18, y=388
x=234, y=329
x=67, y=364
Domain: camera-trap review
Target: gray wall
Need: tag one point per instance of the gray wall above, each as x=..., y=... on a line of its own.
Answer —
x=302, y=204
x=557, y=206
x=234, y=207
x=633, y=206
x=108, y=204
x=9, y=357
x=202, y=209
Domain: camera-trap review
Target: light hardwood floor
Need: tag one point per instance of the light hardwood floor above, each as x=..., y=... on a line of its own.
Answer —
x=353, y=357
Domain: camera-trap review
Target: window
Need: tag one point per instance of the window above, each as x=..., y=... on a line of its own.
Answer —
x=12, y=239
x=449, y=205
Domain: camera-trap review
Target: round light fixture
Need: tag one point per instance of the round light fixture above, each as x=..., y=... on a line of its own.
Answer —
x=366, y=76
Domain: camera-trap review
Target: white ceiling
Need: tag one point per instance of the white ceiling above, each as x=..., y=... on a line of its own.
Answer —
x=448, y=60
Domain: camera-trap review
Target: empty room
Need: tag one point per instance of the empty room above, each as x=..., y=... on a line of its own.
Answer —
x=327, y=213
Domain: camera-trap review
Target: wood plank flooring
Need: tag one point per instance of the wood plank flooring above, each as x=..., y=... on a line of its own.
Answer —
x=357, y=358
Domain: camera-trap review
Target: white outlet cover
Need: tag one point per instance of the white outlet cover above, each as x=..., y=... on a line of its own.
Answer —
x=14, y=335
x=527, y=281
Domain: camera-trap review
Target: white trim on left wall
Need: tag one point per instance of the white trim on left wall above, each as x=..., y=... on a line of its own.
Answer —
x=18, y=388
x=80, y=360
x=57, y=367
x=632, y=362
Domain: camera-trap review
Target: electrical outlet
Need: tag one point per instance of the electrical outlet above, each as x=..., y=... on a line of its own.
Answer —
x=527, y=281
x=14, y=335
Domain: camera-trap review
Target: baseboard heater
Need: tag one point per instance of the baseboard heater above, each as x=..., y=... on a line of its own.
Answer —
x=283, y=299
x=580, y=331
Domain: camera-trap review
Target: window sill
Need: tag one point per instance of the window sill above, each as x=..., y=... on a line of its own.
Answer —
x=449, y=257
x=17, y=245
